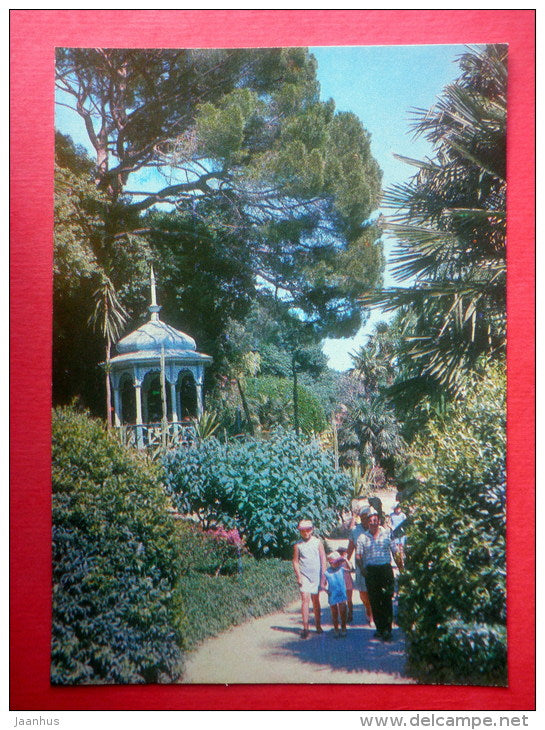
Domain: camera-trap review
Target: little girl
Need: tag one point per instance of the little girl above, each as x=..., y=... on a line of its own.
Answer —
x=309, y=567
x=348, y=582
x=336, y=591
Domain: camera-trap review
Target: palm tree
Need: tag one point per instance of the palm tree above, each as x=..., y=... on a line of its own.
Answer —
x=378, y=432
x=449, y=221
x=369, y=432
x=374, y=362
x=109, y=315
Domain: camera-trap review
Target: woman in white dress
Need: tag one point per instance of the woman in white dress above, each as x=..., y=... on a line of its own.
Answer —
x=309, y=565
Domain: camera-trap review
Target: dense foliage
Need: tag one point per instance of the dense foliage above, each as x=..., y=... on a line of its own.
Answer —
x=257, y=220
x=244, y=128
x=244, y=123
x=271, y=400
x=214, y=552
x=115, y=562
x=261, y=487
x=453, y=591
x=369, y=434
x=270, y=345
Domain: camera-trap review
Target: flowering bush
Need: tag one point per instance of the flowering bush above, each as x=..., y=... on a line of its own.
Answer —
x=228, y=546
x=215, y=551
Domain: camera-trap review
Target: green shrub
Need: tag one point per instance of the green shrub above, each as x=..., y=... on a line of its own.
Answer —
x=475, y=649
x=261, y=487
x=115, y=561
x=452, y=595
x=212, y=605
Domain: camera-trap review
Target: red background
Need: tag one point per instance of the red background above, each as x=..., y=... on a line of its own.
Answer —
x=34, y=34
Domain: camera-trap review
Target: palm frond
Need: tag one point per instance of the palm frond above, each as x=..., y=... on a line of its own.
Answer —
x=108, y=314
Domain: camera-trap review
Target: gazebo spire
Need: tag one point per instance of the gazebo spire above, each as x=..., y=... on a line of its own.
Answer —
x=154, y=308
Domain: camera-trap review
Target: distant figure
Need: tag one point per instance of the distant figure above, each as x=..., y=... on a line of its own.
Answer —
x=359, y=580
x=397, y=516
x=376, y=503
x=336, y=592
x=374, y=552
x=309, y=565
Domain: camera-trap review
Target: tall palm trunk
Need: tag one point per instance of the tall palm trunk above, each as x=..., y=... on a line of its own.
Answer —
x=110, y=315
x=108, y=387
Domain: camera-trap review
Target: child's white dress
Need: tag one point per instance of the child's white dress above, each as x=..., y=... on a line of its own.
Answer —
x=309, y=565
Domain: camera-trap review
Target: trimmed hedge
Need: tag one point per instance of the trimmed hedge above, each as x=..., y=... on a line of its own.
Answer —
x=478, y=650
x=115, y=562
x=261, y=487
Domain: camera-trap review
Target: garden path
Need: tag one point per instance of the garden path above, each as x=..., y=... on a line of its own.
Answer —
x=269, y=650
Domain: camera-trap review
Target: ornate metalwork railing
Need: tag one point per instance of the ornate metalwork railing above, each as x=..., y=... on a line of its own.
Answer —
x=157, y=435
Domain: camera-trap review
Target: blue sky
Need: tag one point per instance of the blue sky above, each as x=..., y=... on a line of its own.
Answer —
x=380, y=84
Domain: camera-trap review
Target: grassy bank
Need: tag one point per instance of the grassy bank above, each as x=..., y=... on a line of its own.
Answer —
x=212, y=604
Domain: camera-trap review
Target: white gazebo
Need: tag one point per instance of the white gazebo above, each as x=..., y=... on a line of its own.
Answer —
x=157, y=381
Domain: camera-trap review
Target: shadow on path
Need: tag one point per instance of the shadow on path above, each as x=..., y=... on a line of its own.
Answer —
x=358, y=652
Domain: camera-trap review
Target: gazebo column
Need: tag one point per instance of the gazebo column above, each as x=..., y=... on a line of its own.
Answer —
x=145, y=405
x=139, y=430
x=179, y=402
x=118, y=408
x=200, y=406
x=174, y=404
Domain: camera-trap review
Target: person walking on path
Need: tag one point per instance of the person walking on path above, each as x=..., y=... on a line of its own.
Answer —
x=397, y=518
x=374, y=552
x=309, y=565
x=359, y=579
x=336, y=592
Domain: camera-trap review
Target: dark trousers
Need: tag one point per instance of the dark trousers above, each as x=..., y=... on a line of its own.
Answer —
x=380, y=586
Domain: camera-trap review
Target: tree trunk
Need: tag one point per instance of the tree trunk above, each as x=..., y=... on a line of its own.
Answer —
x=245, y=406
x=335, y=442
x=295, y=398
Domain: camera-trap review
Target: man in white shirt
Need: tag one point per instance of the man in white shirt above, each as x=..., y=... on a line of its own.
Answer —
x=374, y=552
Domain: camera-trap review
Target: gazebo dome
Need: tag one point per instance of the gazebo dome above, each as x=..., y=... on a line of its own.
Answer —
x=153, y=335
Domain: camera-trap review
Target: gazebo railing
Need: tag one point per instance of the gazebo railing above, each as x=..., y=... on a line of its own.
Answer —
x=156, y=435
